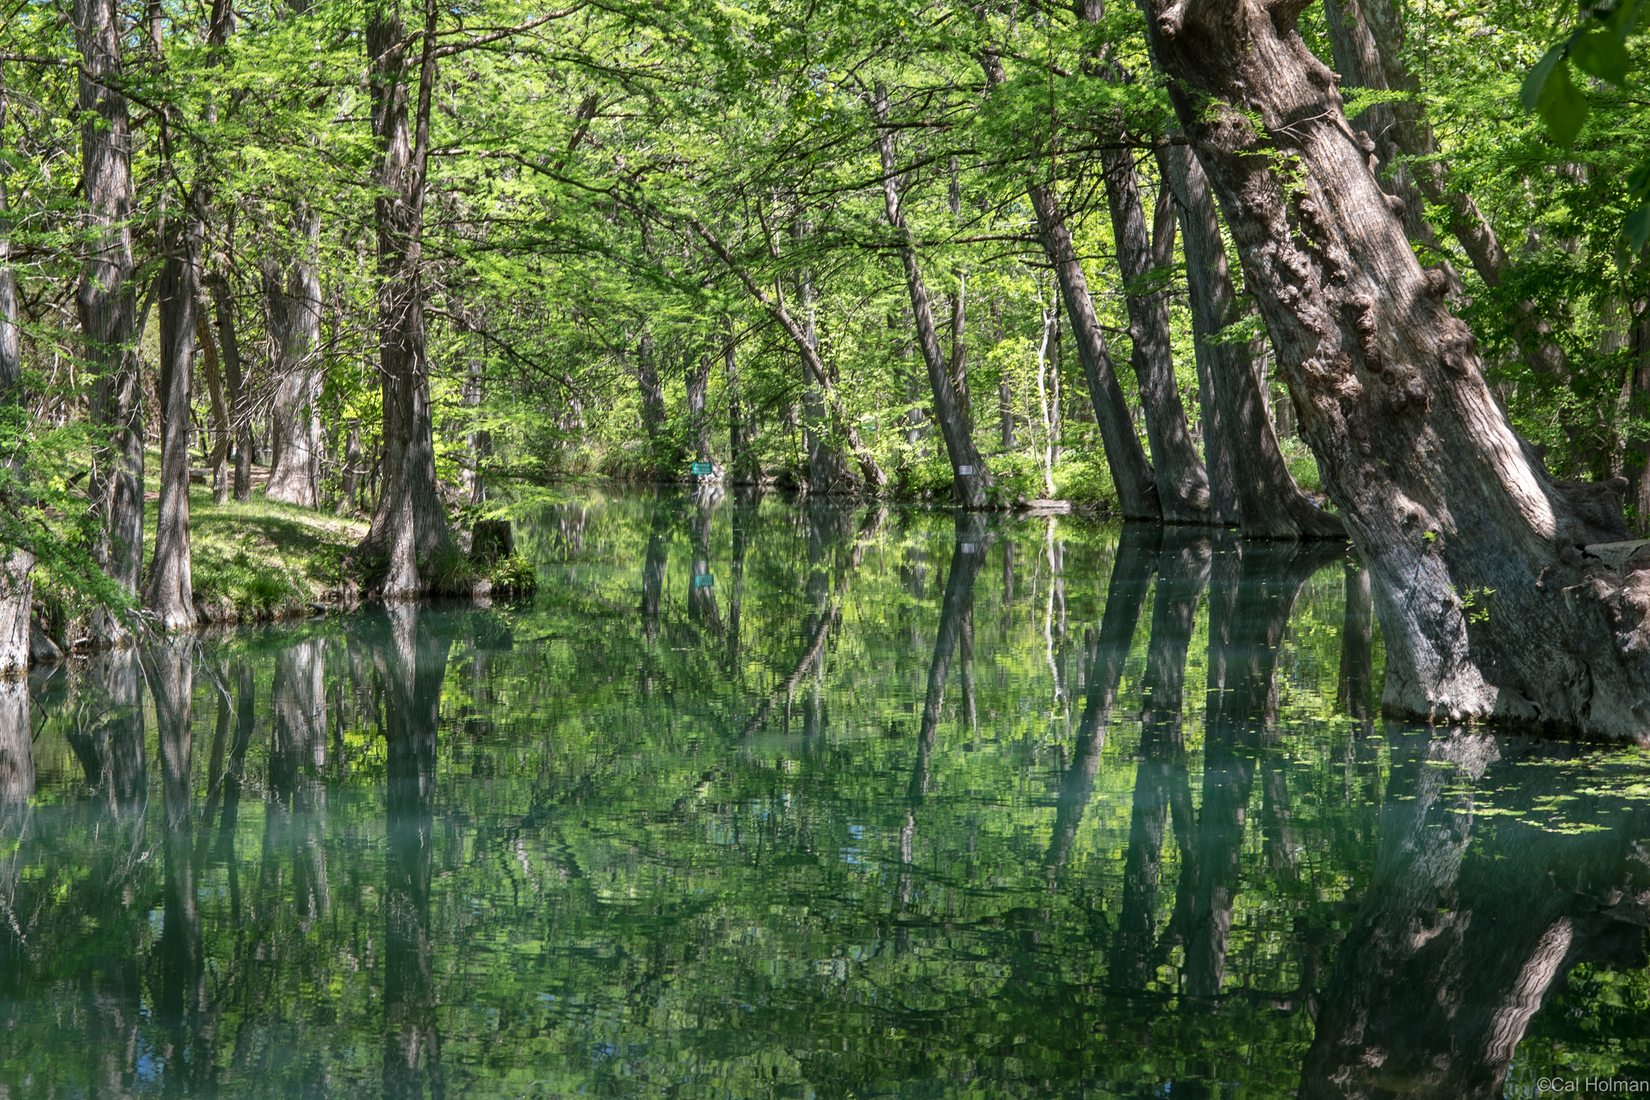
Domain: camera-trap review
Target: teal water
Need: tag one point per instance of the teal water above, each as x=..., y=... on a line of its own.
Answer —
x=767, y=800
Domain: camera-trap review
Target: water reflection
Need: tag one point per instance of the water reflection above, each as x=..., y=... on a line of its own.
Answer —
x=892, y=805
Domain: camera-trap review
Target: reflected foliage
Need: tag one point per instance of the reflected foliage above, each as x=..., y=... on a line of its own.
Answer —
x=892, y=804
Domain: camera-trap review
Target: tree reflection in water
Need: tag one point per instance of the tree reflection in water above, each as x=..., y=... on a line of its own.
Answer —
x=903, y=805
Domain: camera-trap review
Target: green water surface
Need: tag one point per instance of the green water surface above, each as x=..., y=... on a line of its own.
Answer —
x=759, y=799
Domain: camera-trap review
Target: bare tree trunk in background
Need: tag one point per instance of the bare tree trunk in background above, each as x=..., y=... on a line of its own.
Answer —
x=1131, y=472
x=1490, y=602
x=170, y=591
x=409, y=525
x=698, y=386
x=16, y=563
x=875, y=479
x=971, y=481
x=240, y=400
x=827, y=472
x=1182, y=482
x=294, y=297
x=1247, y=470
x=106, y=299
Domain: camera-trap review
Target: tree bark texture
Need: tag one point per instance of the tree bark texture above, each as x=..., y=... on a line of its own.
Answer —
x=1490, y=606
x=1182, y=482
x=169, y=594
x=409, y=524
x=1247, y=470
x=106, y=300
x=294, y=297
x=970, y=480
x=1366, y=40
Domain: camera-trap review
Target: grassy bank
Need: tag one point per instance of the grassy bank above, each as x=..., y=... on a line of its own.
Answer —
x=259, y=559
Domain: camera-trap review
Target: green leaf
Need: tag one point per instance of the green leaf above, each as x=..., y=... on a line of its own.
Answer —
x=1562, y=106
x=1624, y=18
x=1638, y=182
x=1601, y=53
x=1637, y=227
x=1530, y=93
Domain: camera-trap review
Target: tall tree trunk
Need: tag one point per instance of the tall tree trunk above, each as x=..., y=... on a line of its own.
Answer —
x=240, y=398
x=1131, y=473
x=1489, y=607
x=1247, y=470
x=479, y=438
x=742, y=468
x=170, y=592
x=106, y=300
x=652, y=393
x=698, y=386
x=1366, y=38
x=827, y=472
x=294, y=297
x=970, y=480
x=16, y=563
x=409, y=525
x=1182, y=482
x=223, y=431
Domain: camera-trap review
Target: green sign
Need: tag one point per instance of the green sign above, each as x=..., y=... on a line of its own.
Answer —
x=703, y=580
x=703, y=469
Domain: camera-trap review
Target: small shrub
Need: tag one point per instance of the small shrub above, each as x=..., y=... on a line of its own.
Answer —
x=513, y=576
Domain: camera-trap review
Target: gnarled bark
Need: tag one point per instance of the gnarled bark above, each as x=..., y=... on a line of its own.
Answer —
x=1366, y=40
x=1489, y=606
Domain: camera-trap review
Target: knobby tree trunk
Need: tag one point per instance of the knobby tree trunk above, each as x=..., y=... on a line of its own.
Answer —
x=1249, y=472
x=409, y=525
x=294, y=298
x=970, y=480
x=1366, y=37
x=106, y=302
x=1489, y=604
x=1182, y=482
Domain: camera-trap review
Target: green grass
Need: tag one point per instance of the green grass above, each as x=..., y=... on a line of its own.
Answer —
x=261, y=558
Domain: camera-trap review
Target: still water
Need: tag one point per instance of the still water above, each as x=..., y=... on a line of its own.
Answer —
x=766, y=800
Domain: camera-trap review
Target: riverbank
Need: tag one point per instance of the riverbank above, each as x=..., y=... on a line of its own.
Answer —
x=259, y=560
